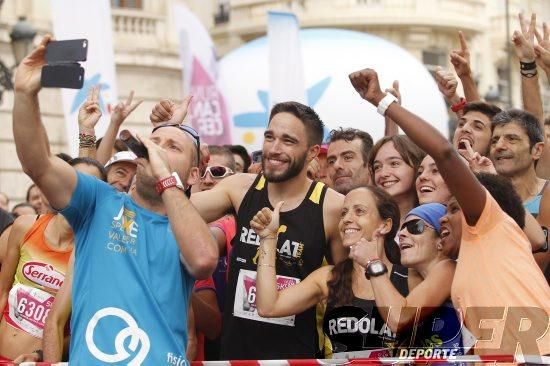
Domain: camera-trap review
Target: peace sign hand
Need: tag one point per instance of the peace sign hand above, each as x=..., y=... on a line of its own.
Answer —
x=477, y=162
x=123, y=110
x=524, y=41
x=542, y=49
x=89, y=112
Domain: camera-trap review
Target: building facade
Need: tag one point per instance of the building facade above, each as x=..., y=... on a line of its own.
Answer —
x=147, y=60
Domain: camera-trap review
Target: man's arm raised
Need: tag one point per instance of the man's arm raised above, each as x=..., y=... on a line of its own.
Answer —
x=56, y=179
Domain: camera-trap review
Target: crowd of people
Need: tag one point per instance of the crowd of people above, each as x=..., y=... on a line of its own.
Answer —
x=346, y=248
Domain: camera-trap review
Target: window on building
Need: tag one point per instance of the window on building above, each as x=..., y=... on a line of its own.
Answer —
x=222, y=15
x=432, y=58
x=134, y=4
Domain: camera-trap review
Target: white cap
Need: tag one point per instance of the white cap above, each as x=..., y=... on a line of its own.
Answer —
x=121, y=156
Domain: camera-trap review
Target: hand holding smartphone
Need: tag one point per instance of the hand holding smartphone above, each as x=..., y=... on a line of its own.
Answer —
x=62, y=69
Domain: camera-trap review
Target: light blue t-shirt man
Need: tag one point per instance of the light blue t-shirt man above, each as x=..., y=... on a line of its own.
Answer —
x=130, y=290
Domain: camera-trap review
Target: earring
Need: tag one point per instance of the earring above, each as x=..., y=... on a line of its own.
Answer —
x=439, y=246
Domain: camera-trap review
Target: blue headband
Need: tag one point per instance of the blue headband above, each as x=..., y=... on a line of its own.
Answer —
x=429, y=212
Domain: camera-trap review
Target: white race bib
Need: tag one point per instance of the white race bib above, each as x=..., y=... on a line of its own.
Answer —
x=245, y=298
x=28, y=308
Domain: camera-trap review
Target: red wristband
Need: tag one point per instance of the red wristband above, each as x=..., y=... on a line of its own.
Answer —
x=459, y=106
x=171, y=181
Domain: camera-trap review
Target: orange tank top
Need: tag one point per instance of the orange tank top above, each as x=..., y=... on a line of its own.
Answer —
x=39, y=275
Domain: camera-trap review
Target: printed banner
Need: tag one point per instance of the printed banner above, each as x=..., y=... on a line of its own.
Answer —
x=208, y=112
x=75, y=19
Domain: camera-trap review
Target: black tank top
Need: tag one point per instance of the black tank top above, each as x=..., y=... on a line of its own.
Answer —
x=301, y=250
x=359, y=326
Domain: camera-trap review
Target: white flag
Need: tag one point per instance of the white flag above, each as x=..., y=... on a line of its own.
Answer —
x=286, y=69
x=75, y=19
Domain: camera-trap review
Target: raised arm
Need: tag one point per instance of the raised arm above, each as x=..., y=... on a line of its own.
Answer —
x=88, y=116
x=53, y=336
x=224, y=198
x=398, y=311
x=56, y=179
x=120, y=113
x=461, y=62
x=292, y=300
x=198, y=249
x=524, y=44
x=390, y=127
x=542, y=49
x=462, y=183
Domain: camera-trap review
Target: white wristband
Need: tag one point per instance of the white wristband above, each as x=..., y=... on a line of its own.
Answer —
x=385, y=103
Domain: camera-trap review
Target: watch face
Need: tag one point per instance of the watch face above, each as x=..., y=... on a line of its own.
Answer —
x=377, y=267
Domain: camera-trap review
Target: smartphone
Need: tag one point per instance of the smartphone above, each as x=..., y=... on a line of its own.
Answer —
x=72, y=50
x=257, y=156
x=133, y=144
x=70, y=75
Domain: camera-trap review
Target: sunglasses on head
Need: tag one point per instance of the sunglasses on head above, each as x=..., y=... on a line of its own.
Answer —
x=190, y=131
x=217, y=171
x=416, y=226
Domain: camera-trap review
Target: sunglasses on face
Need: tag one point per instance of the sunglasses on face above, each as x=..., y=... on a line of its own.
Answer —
x=217, y=171
x=190, y=131
x=416, y=226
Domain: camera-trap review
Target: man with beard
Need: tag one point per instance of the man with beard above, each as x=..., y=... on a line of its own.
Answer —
x=309, y=227
x=347, y=157
x=146, y=245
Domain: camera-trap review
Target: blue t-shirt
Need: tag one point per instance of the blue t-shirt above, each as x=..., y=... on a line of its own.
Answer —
x=130, y=291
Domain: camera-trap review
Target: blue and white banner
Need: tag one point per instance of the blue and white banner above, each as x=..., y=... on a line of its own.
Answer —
x=75, y=19
x=286, y=68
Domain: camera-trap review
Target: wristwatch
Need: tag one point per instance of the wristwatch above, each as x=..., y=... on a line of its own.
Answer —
x=544, y=248
x=385, y=103
x=172, y=181
x=375, y=268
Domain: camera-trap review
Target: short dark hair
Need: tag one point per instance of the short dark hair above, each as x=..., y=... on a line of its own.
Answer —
x=490, y=110
x=225, y=152
x=350, y=134
x=502, y=190
x=409, y=151
x=64, y=157
x=313, y=124
x=528, y=122
x=22, y=204
x=92, y=162
x=243, y=153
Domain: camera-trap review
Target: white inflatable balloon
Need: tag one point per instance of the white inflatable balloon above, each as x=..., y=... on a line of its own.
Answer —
x=329, y=55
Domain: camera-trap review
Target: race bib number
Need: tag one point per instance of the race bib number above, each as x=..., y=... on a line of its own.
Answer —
x=28, y=309
x=245, y=298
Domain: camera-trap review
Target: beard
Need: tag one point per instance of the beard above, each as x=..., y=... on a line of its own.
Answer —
x=294, y=168
x=146, y=188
